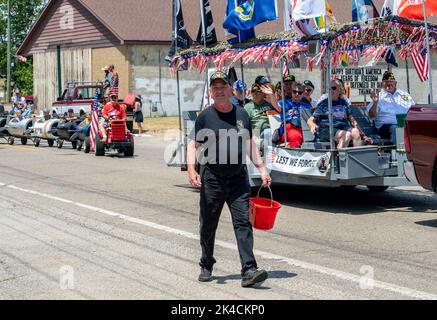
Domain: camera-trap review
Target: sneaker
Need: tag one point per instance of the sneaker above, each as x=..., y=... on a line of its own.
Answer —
x=253, y=276
x=205, y=275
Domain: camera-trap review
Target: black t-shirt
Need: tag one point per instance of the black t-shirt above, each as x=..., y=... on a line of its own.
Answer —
x=224, y=137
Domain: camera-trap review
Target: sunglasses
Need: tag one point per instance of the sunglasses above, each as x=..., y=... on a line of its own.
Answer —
x=297, y=92
x=334, y=88
x=309, y=90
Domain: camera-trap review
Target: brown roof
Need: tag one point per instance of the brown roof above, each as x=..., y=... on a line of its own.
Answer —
x=150, y=21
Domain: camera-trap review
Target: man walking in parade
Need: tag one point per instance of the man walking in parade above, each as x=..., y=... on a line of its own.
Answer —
x=222, y=136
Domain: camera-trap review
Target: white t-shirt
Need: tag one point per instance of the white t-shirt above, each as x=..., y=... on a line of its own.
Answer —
x=390, y=105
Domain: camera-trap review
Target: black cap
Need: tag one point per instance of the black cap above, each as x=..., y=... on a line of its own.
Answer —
x=70, y=110
x=290, y=77
x=308, y=83
x=388, y=75
x=219, y=75
x=262, y=80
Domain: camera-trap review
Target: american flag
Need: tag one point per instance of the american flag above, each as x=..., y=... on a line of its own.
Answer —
x=420, y=62
x=94, y=120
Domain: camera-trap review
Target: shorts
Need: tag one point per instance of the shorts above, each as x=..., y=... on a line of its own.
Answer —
x=323, y=133
x=139, y=117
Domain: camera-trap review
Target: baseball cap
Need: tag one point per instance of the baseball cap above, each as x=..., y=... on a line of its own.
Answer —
x=290, y=77
x=308, y=83
x=105, y=68
x=219, y=75
x=240, y=86
x=388, y=75
x=262, y=80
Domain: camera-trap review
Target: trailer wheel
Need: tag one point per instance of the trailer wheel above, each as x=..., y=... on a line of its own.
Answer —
x=99, y=147
x=23, y=141
x=36, y=142
x=377, y=188
x=11, y=141
x=87, y=145
x=51, y=143
x=74, y=144
x=130, y=150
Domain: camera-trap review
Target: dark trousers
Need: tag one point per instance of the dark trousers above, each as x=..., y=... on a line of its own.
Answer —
x=388, y=131
x=215, y=192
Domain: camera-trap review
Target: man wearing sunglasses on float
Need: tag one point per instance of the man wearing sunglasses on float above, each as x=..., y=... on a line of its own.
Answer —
x=346, y=128
x=387, y=104
x=293, y=107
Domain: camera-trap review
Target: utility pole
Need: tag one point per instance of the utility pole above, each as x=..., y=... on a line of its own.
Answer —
x=8, y=86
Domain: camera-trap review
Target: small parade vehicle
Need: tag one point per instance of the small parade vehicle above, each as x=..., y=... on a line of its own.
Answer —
x=19, y=129
x=45, y=130
x=67, y=131
x=118, y=137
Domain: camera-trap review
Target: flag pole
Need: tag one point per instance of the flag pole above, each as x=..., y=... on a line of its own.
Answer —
x=408, y=74
x=177, y=70
x=202, y=13
x=428, y=55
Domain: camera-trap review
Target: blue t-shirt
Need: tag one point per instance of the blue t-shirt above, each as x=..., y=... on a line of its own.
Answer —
x=341, y=112
x=292, y=111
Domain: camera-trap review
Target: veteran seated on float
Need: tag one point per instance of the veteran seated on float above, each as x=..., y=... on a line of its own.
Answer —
x=387, y=104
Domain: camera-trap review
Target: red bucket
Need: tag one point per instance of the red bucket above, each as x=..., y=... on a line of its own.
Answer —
x=262, y=212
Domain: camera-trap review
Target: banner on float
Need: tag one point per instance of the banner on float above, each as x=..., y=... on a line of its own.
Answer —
x=315, y=164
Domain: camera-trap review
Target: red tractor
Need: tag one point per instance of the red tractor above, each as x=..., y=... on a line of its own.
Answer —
x=118, y=137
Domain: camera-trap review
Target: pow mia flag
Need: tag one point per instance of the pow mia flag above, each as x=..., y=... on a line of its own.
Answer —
x=211, y=37
x=183, y=40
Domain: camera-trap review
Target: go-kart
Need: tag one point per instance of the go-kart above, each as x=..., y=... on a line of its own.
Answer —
x=67, y=131
x=45, y=130
x=20, y=129
x=118, y=137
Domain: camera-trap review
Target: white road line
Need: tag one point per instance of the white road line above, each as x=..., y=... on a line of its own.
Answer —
x=265, y=255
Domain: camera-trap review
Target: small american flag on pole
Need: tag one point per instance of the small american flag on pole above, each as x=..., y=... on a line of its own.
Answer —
x=94, y=120
x=420, y=62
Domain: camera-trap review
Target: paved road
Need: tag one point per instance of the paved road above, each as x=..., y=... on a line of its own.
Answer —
x=73, y=226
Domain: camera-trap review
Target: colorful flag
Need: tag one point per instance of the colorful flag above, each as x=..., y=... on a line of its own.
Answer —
x=307, y=9
x=21, y=58
x=361, y=10
x=420, y=63
x=320, y=21
x=180, y=36
x=413, y=9
x=94, y=121
x=243, y=15
x=211, y=37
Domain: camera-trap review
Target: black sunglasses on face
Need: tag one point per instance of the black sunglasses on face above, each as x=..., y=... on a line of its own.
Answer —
x=334, y=88
x=309, y=90
x=297, y=92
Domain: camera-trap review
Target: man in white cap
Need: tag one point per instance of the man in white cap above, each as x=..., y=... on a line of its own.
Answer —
x=18, y=101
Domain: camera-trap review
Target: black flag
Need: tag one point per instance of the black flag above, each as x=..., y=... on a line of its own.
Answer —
x=211, y=37
x=183, y=38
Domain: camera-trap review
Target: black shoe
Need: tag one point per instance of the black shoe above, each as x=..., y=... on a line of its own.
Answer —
x=253, y=276
x=205, y=275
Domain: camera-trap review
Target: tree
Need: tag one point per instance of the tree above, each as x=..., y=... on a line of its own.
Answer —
x=24, y=13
